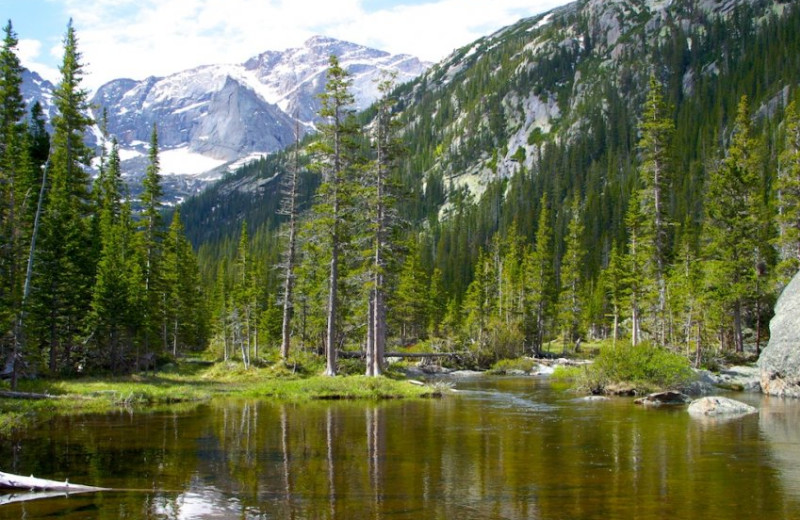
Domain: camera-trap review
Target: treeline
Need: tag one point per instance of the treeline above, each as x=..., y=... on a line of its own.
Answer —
x=87, y=285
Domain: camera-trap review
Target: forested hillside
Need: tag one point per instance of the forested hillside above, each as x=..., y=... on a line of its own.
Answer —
x=610, y=169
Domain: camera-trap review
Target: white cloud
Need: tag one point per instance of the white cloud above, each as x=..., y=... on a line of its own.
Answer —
x=29, y=52
x=137, y=38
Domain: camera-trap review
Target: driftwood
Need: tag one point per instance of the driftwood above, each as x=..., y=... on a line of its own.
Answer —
x=27, y=496
x=18, y=482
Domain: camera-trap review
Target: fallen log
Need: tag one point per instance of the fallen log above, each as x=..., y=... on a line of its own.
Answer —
x=18, y=482
x=27, y=496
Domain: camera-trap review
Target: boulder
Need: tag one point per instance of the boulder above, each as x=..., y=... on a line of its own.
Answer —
x=779, y=363
x=715, y=406
x=670, y=397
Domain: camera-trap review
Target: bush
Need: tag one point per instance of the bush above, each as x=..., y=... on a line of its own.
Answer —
x=644, y=367
x=505, y=366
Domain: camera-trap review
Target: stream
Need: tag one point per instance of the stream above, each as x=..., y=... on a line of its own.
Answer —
x=500, y=447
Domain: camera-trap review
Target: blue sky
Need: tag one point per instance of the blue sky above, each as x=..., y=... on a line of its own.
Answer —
x=138, y=38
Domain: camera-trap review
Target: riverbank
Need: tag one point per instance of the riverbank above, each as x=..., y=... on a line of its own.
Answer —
x=189, y=384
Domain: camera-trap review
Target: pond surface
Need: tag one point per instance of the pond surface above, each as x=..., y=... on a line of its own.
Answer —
x=505, y=448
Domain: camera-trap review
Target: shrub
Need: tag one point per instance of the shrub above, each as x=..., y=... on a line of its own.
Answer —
x=505, y=366
x=644, y=367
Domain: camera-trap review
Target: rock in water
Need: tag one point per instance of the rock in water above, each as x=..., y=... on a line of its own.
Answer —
x=780, y=361
x=669, y=397
x=715, y=406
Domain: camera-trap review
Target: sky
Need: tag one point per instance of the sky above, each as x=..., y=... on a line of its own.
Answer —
x=140, y=38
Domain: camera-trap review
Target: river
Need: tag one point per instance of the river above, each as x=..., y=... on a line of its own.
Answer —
x=504, y=448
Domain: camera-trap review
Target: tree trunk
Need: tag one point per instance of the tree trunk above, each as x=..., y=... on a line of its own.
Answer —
x=330, y=344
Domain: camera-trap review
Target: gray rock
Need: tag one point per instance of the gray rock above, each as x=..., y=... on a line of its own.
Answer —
x=739, y=378
x=780, y=361
x=669, y=397
x=715, y=406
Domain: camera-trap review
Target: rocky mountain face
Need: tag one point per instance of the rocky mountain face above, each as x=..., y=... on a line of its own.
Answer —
x=213, y=116
x=35, y=88
x=570, y=81
x=542, y=80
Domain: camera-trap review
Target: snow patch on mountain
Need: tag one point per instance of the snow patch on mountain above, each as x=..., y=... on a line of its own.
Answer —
x=221, y=114
x=182, y=161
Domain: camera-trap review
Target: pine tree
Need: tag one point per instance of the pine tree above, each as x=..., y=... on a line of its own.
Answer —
x=382, y=202
x=65, y=267
x=638, y=265
x=788, y=189
x=335, y=156
x=150, y=223
x=570, y=304
x=14, y=174
x=289, y=208
x=616, y=285
x=410, y=299
x=187, y=320
x=655, y=173
x=539, y=279
x=115, y=308
x=731, y=229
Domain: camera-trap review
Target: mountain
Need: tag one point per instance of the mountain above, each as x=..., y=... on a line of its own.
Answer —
x=551, y=105
x=213, y=116
x=35, y=88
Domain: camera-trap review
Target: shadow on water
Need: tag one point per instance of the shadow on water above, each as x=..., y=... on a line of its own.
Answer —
x=499, y=448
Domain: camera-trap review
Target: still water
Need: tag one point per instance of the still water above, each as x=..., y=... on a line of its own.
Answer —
x=504, y=448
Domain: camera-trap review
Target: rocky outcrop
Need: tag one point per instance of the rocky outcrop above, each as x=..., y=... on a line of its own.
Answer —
x=780, y=361
x=737, y=378
x=714, y=406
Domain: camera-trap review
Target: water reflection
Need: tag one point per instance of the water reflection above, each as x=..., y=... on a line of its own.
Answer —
x=507, y=448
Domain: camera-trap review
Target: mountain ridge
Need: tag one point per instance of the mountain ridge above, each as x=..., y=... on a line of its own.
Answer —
x=212, y=118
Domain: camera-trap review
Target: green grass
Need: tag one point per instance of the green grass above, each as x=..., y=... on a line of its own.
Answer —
x=194, y=384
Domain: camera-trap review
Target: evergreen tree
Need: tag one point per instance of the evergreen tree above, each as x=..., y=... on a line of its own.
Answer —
x=788, y=189
x=14, y=174
x=539, y=279
x=65, y=266
x=731, y=229
x=116, y=305
x=410, y=299
x=186, y=309
x=655, y=173
x=616, y=284
x=638, y=265
x=335, y=156
x=570, y=304
x=290, y=209
x=150, y=223
x=381, y=201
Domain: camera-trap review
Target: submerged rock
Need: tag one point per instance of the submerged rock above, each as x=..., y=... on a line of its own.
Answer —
x=715, y=405
x=780, y=361
x=669, y=397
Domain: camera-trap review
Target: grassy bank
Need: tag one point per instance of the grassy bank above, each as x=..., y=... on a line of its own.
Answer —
x=192, y=384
